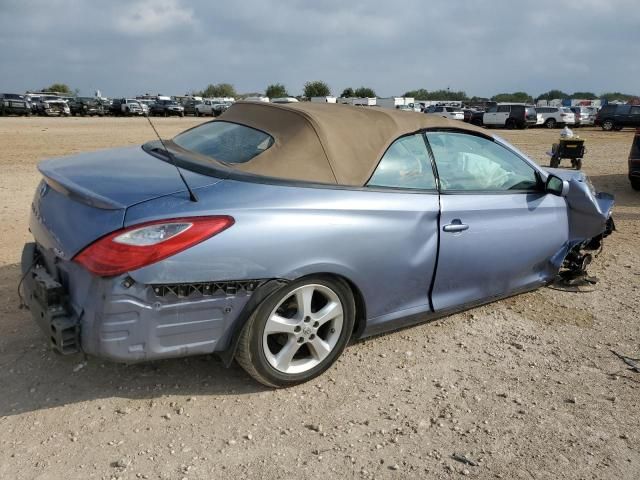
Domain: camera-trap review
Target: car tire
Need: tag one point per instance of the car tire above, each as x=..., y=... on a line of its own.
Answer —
x=608, y=125
x=635, y=183
x=288, y=341
x=578, y=164
x=550, y=123
x=197, y=114
x=510, y=124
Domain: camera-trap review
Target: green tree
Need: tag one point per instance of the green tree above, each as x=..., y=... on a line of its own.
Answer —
x=419, y=94
x=60, y=88
x=553, y=94
x=219, y=90
x=276, y=90
x=621, y=97
x=363, y=92
x=316, y=88
x=347, y=93
x=447, y=95
x=584, y=95
x=516, y=97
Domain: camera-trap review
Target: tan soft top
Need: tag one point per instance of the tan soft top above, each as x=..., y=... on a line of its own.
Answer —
x=327, y=143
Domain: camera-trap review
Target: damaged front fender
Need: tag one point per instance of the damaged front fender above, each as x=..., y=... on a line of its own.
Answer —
x=590, y=220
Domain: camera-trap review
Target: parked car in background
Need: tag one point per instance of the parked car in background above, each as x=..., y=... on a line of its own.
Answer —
x=166, y=108
x=370, y=236
x=52, y=105
x=477, y=118
x=220, y=108
x=84, y=106
x=190, y=105
x=553, y=117
x=33, y=100
x=634, y=162
x=14, y=104
x=452, y=113
x=617, y=117
x=510, y=116
x=284, y=100
x=209, y=107
x=106, y=104
x=126, y=106
x=146, y=105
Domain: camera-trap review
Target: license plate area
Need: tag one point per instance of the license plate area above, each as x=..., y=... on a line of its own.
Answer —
x=48, y=302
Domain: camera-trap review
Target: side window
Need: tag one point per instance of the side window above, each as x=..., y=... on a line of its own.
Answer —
x=471, y=163
x=405, y=164
x=493, y=109
x=635, y=110
x=503, y=108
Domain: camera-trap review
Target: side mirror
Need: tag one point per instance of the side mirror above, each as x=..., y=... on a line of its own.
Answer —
x=556, y=186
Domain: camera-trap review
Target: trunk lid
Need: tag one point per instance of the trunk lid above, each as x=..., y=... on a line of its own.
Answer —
x=84, y=197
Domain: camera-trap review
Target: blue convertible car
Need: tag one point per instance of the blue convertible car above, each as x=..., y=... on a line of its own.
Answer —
x=277, y=233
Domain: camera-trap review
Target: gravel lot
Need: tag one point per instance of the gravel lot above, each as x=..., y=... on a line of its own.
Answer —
x=523, y=388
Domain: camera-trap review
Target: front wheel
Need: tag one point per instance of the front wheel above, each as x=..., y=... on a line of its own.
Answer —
x=550, y=123
x=608, y=125
x=298, y=332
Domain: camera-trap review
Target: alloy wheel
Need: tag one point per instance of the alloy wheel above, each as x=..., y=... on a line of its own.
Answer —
x=303, y=329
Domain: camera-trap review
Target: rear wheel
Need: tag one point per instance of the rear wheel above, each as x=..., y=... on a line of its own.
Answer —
x=608, y=125
x=298, y=332
x=578, y=164
x=550, y=123
x=511, y=124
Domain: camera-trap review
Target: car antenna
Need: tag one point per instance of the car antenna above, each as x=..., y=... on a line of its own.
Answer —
x=192, y=195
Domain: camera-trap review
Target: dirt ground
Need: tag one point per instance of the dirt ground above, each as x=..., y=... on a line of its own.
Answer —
x=523, y=388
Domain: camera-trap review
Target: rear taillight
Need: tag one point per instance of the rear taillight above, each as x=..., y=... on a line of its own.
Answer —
x=141, y=245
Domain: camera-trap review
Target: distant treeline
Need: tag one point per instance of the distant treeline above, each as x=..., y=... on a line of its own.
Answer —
x=318, y=88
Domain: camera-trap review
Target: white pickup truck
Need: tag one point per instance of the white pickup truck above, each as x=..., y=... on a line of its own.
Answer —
x=210, y=107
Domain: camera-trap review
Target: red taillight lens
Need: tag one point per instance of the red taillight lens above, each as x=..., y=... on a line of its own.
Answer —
x=141, y=245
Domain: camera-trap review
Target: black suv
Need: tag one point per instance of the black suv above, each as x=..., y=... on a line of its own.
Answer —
x=85, y=106
x=166, y=108
x=14, y=103
x=616, y=117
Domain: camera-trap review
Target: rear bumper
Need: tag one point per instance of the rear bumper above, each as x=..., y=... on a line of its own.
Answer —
x=120, y=320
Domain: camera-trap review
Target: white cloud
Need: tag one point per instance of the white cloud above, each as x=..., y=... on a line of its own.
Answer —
x=149, y=17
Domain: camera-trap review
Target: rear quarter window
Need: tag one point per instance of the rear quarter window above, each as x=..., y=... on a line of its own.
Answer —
x=225, y=141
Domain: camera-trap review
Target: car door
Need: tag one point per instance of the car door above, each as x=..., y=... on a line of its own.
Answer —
x=503, y=114
x=634, y=116
x=498, y=229
x=489, y=117
x=405, y=186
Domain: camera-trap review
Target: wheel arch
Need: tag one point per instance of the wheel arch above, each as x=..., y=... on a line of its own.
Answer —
x=272, y=286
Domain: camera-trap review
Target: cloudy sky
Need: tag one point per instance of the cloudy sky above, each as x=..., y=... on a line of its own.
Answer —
x=128, y=47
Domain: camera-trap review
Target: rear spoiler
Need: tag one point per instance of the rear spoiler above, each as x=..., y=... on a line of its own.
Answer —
x=65, y=186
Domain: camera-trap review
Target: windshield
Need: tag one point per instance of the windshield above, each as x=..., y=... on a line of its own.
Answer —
x=224, y=141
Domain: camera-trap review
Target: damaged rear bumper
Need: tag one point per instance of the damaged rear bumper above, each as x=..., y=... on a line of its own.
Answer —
x=121, y=320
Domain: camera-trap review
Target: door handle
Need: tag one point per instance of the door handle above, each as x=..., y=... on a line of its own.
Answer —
x=455, y=226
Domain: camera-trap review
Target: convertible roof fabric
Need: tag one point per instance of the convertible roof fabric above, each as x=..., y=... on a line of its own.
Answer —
x=327, y=143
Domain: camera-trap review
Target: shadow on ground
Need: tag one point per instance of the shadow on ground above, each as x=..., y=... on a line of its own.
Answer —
x=35, y=378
